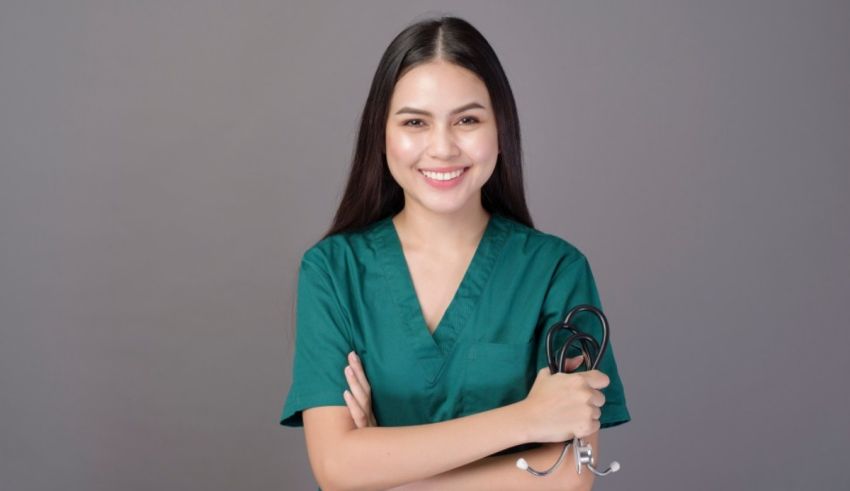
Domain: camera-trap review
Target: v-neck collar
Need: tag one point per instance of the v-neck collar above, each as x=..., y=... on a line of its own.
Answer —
x=432, y=350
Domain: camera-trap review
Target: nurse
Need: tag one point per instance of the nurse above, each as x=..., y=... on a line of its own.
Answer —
x=421, y=314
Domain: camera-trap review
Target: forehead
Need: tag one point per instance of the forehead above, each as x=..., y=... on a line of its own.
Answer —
x=438, y=85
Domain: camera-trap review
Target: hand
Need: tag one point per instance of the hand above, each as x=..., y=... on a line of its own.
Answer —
x=359, y=398
x=562, y=406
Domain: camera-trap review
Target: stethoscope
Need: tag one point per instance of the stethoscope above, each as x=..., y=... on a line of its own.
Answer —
x=583, y=452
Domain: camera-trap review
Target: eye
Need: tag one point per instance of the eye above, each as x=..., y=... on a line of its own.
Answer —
x=412, y=121
x=472, y=119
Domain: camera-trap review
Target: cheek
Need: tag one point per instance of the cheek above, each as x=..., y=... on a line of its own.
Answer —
x=482, y=147
x=403, y=146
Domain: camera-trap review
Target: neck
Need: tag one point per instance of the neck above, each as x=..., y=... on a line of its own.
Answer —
x=442, y=231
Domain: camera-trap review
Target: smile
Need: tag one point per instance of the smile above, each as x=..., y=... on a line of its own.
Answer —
x=444, y=180
x=443, y=176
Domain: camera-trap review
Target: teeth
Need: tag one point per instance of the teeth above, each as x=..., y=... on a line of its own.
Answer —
x=440, y=176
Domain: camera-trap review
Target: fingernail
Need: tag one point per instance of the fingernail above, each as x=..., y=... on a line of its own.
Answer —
x=348, y=369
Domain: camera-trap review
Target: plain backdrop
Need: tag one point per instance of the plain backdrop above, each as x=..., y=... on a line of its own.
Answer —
x=164, y=164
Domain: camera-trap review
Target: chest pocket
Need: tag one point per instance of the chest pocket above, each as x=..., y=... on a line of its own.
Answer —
x=497, y=374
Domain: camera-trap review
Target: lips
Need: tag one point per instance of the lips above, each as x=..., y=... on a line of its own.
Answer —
x=445, y=184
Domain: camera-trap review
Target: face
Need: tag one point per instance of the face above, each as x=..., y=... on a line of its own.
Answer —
x=441, y=137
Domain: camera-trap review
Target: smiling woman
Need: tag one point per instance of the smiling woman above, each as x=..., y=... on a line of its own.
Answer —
x=433, y=273
x=453, y=145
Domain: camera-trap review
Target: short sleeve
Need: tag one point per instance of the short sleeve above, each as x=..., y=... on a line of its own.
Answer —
x=572, y=284
x=322, y=343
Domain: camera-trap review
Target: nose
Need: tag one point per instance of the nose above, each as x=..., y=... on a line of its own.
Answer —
x=442, y=144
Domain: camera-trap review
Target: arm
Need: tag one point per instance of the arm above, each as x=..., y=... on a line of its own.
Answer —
x=500, y=472
x=490, y=473
x=344, y=457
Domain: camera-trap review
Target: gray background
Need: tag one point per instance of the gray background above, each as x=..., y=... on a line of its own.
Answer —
x=165, y=164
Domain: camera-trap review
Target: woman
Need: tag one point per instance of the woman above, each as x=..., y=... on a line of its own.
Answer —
x=420, y=357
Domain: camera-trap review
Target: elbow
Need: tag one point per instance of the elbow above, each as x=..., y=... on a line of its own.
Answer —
x=320, y=474
x=336, y=469
x=329, y=475
x=332, y=452
x=326, y=471
x=334, y=476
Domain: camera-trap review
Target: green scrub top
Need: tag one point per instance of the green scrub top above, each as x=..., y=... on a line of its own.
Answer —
x=355, y=293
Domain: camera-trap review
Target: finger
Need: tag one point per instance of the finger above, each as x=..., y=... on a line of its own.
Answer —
x=361, y=395
x=596, y=379
x=597, y=399
x=354, y=408
x=355, y=363
x=575, y=362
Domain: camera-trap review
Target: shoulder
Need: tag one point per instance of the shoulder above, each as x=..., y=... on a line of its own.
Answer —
x=338, y=252
x=536, y=244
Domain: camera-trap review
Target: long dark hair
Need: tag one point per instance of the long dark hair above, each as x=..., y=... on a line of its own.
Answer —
x=371, y=193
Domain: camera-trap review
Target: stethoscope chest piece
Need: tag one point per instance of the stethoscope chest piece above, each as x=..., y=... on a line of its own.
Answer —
x=583, y=455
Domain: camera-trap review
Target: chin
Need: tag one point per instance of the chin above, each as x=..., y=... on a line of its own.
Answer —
x=445, y=207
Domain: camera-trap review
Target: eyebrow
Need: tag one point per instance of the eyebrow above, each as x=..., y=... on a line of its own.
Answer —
x=411, y=110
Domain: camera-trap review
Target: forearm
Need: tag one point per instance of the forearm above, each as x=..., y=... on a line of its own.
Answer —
x=500, y=473
x=377, y=458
